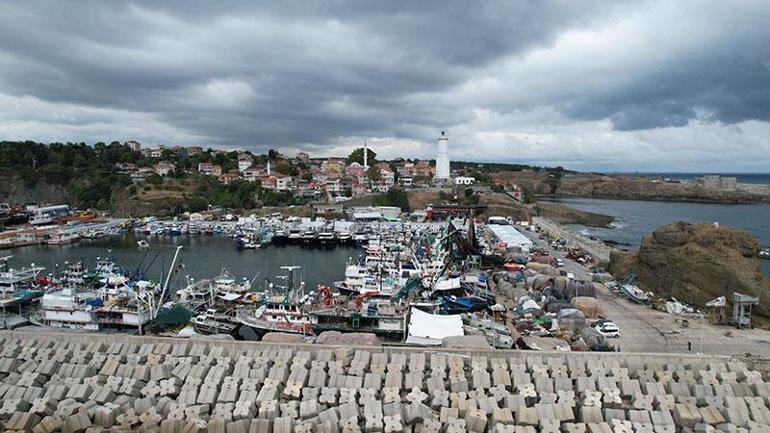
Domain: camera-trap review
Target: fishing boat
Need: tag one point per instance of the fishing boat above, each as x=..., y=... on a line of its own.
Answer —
x=369, y=312
x=73, y=275
x=212, y=322
x=764, y=253
x=295, y=236
x=344, y=237
x=635, y=294
x=265, y=237
x=463, y=304
x=116, y=302
x=309, y=237
x=279, y=313
x=248, y=243
x=360, y=238
x=280, y=237
x=63, y=238
x=326, y=238
x=18, y=284
x=119, y=304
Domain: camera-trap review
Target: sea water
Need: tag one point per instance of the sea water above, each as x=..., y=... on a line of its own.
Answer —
x=635, y=219
x=201, y=257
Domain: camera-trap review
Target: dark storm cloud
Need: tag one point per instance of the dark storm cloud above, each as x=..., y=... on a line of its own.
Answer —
x=729, y=80
x=302, y=74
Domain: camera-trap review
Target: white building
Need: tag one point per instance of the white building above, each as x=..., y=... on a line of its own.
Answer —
x=442, y=159
x=509, y=236
x=243, y=164
x=464, y=180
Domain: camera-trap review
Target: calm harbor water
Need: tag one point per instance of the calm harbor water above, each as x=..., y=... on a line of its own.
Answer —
x=635, y=219
x=201, y=257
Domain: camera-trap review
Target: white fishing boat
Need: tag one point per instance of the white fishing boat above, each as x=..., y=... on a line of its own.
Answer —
x=117, y=303
x=62, y=238
x=73, y=275
x=635, y=294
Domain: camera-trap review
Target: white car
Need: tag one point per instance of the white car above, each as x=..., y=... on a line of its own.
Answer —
x=608, y=328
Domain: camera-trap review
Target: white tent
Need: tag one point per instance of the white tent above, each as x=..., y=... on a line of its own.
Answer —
x=429, y=329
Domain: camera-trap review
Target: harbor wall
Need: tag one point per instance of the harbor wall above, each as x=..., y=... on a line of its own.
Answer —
x=87, y=338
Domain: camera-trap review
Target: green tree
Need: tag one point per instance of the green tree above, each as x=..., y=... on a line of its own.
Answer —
x=374, y=174
x=155, y=179
x=554, y=179
x=287, y=168
x=394, y=197
x=196, y=204
x=357, y=155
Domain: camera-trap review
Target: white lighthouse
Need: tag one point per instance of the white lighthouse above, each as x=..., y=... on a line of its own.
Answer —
x=442, y=159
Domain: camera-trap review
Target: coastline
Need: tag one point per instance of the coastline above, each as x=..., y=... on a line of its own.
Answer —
x=597, y=249
x=724, y=201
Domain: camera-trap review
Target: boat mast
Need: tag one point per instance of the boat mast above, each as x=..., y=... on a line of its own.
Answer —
x=168, y=278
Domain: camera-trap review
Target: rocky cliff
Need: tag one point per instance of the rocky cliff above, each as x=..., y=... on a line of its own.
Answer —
x=13, y=190
x=645, y=188
x=696, y=263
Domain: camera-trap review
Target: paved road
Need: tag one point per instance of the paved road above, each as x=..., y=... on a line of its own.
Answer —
x=647, y=330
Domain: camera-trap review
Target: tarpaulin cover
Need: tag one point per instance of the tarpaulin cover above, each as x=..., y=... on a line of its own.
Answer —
x=430, y=329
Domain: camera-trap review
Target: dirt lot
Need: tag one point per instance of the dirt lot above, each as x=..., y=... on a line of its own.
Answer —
x=645, y=330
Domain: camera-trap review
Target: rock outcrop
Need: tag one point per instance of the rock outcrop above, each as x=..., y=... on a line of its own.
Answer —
x=696, y=263
x=567, y=215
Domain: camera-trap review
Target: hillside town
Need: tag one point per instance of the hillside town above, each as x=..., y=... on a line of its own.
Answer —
x=331, y=178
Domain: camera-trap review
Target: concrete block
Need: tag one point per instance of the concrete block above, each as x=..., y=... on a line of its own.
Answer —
x=591, y=414
x=526, y=416
x=686, y=415
x=711, y=415
x=22, y=421
x=49, y=424
x=77, y=422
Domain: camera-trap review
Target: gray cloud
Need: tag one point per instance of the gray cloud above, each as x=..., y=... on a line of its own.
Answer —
x=313, y=75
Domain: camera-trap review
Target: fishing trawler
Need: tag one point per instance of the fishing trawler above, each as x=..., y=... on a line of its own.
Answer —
x=205, y=294
x=119, y=304
x=280, y=313
x=295, y=236
x=15, y=282
x=309, y=237
x=280, y=237
x=326, y=237
x=115, y=301
x=372, y=312
x=73, y=275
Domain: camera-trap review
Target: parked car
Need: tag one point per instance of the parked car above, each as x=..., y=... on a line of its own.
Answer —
x=608, y=328
x=559, y=263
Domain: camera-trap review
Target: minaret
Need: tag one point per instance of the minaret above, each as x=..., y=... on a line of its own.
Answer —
x=442, y=159
x=268, y=166
x=366, y=156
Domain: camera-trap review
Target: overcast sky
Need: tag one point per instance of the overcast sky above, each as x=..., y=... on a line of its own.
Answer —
x=606, y=85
